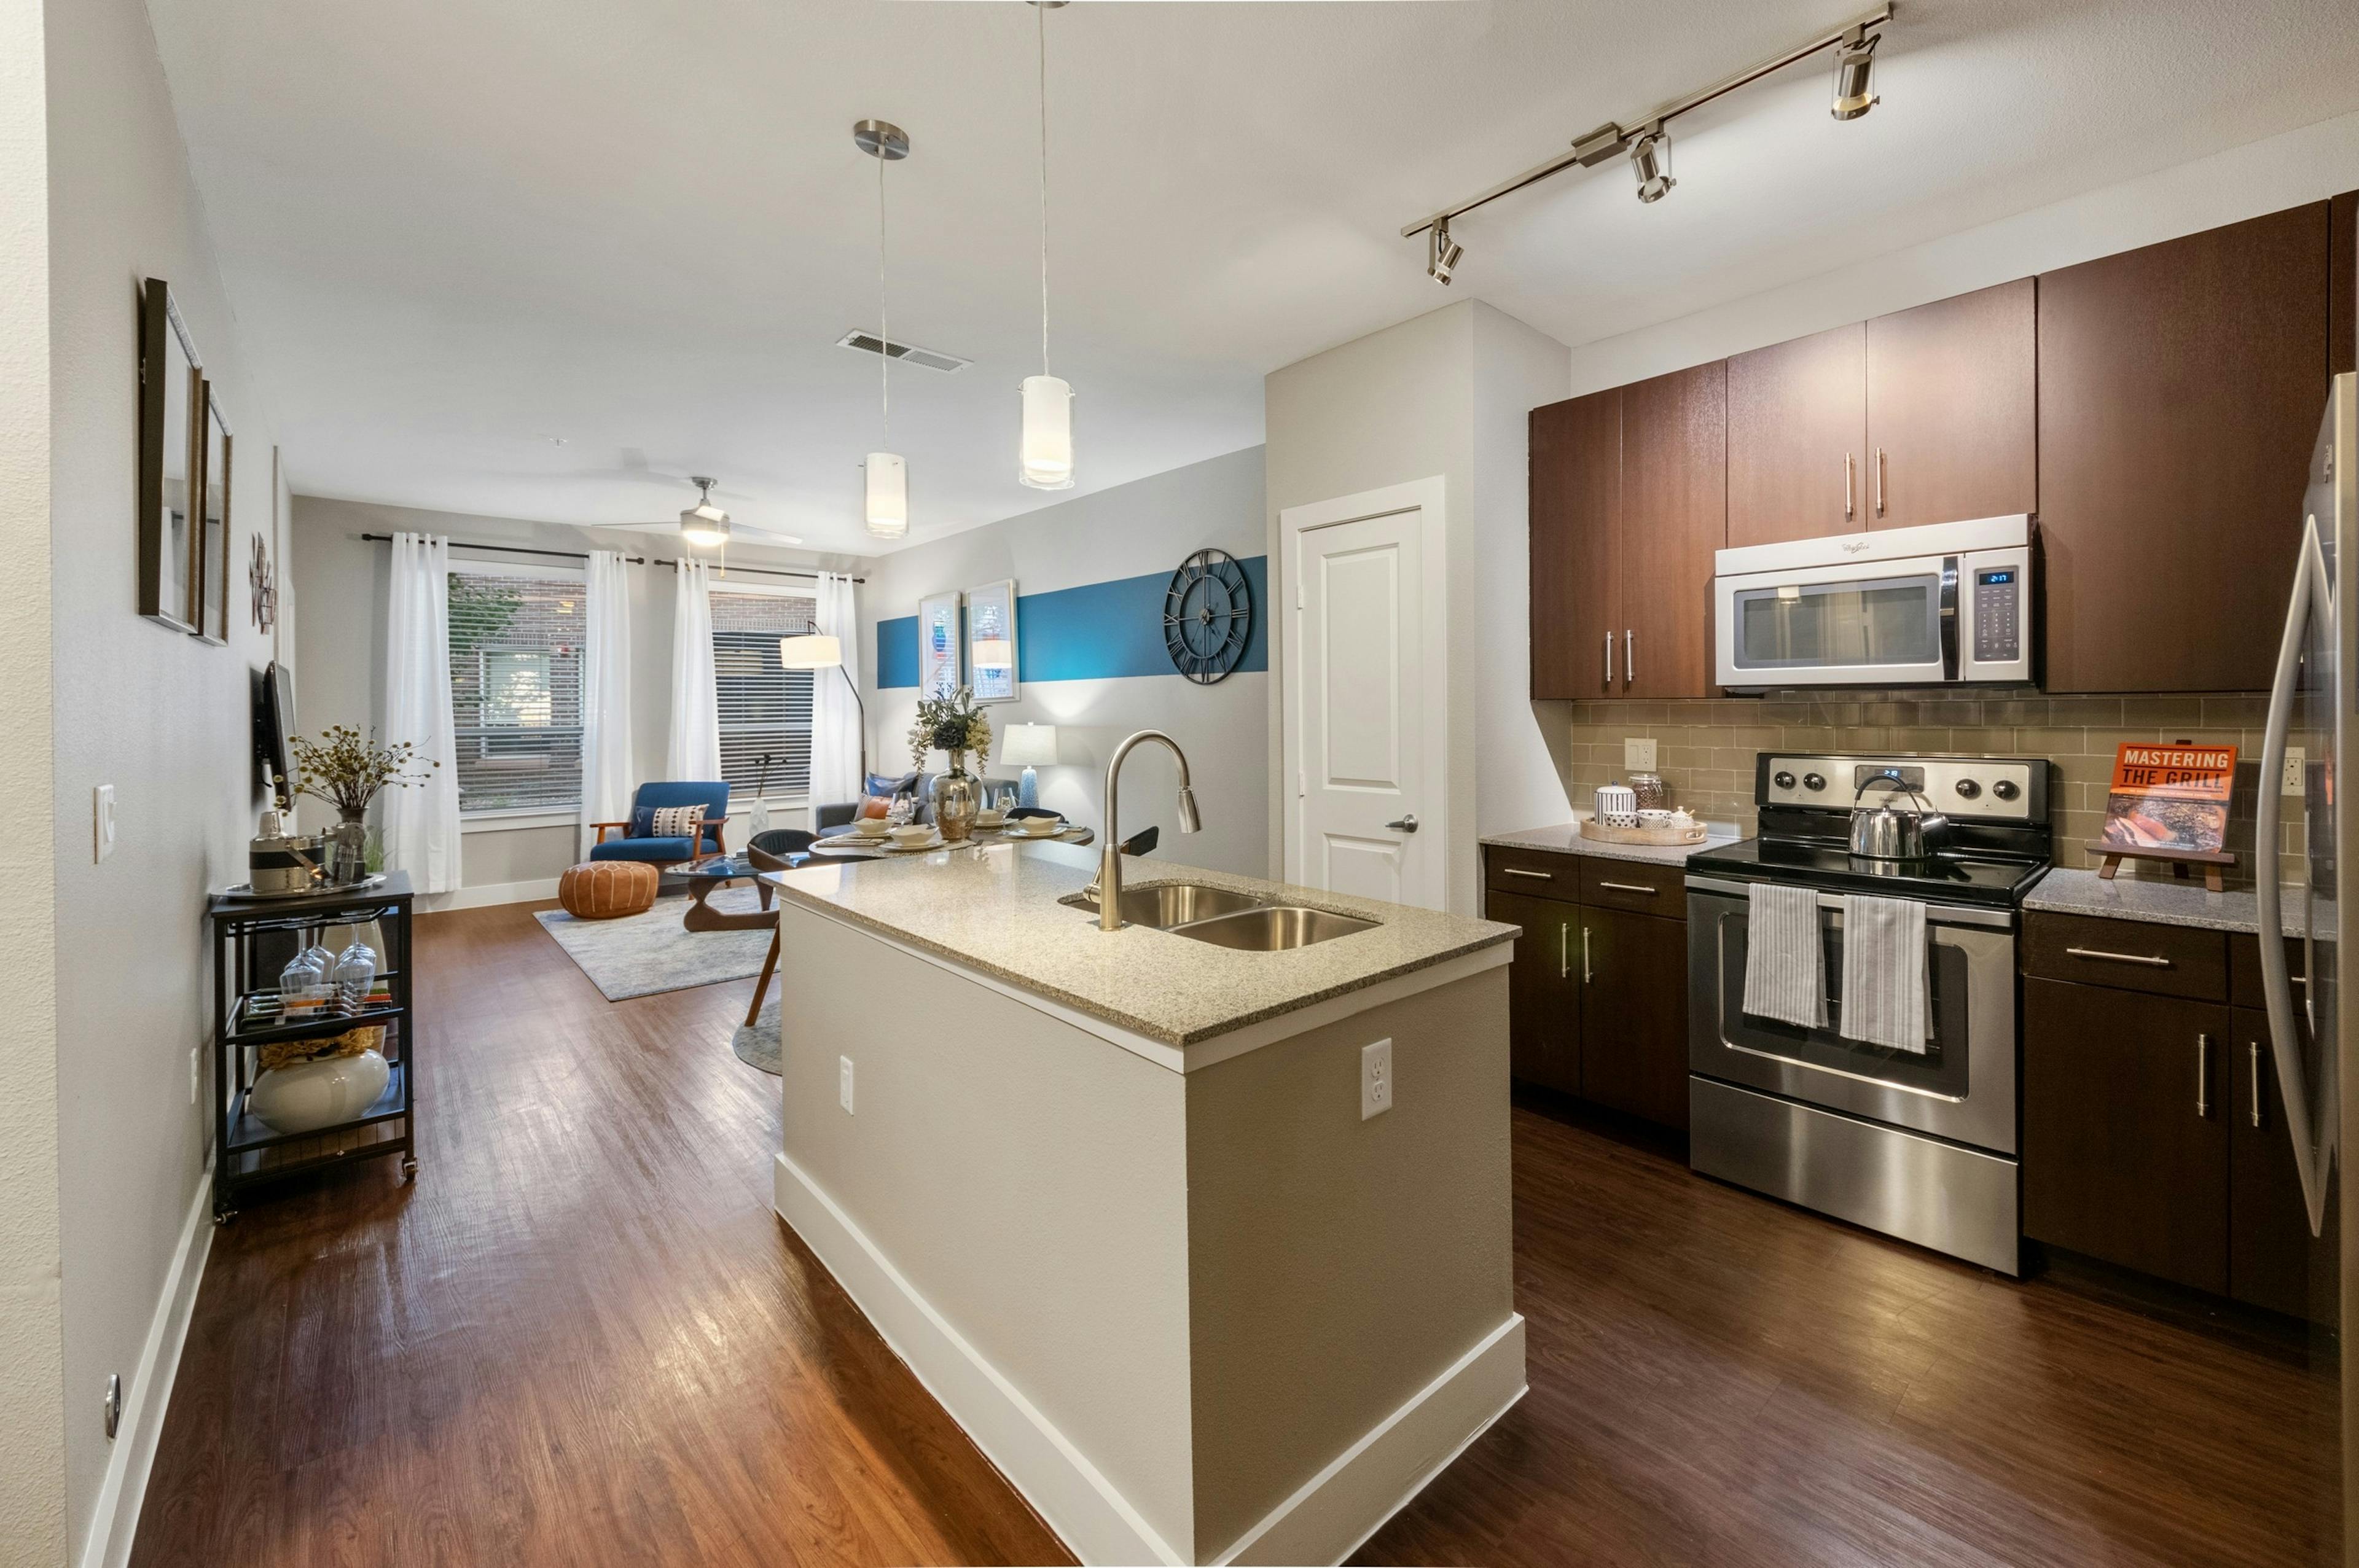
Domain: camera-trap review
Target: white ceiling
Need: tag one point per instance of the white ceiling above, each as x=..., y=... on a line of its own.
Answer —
x=452, y=232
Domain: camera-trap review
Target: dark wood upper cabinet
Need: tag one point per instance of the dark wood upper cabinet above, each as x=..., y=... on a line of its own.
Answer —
x=2126, y=1129
x=2342, y=287
x=1797, y=438
x=1952, y=410
x=1633, y=1014
x=1543, y=990
x=1674, y=513
x=2180, y=387
x=1576, y=543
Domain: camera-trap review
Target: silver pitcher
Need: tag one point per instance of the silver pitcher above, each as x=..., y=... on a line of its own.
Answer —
x=281, y=862
x=1882, y=833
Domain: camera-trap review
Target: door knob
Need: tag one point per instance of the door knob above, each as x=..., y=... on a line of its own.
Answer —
x=1406, y=825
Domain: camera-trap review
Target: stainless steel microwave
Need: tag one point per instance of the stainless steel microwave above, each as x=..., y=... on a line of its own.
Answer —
x=1950, y=603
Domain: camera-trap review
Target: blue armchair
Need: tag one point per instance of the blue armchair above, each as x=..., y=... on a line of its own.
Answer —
x=638, y=841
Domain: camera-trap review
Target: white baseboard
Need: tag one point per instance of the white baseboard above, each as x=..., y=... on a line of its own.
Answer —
x=1324, y=1521
x=489, y=893
x=149, y=1394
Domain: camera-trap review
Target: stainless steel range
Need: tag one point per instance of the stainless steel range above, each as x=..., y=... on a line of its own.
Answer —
x=1917, y=1144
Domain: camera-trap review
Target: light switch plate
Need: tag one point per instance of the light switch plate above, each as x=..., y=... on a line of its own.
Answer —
x=1375, y=1079
x=102, y=823
x=2295, y=758
x=1638, y=756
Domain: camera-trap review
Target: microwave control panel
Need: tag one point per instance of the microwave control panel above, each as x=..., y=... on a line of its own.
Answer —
x=1998, y=614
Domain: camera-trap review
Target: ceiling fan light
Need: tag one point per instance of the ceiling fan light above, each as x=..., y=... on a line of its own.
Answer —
x=887, y=508
x=1045, y=460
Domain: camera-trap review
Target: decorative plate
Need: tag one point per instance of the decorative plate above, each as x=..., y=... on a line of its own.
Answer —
x=1207, y=616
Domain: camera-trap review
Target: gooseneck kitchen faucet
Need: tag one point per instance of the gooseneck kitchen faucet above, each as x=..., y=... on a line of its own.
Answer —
x=1108, y=887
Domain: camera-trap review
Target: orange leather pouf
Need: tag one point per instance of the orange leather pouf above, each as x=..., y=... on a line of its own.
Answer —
x=608, y=890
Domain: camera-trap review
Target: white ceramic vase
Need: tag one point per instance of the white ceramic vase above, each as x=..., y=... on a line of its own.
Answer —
x=308, y=1095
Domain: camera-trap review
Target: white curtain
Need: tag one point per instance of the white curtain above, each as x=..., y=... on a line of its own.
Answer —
x=835, y=712
x=420, y=821
x=695, y=749
x=607, y=693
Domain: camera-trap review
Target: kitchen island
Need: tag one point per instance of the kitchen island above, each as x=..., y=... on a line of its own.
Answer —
x=1137, y=1207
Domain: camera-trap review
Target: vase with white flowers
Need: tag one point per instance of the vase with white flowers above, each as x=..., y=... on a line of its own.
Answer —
x=949, y=723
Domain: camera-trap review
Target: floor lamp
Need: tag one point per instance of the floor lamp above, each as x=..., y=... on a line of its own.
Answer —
x=817, y=651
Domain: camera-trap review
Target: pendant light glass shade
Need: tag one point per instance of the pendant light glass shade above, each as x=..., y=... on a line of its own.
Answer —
x=1045, y=461
x=888, y=495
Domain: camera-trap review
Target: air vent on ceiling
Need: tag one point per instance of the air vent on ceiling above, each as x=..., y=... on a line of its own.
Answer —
x=931, y=359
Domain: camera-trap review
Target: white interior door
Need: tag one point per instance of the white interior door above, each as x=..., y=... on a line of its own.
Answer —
x=1369, y=741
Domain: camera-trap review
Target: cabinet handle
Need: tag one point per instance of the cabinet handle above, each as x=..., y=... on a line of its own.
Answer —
x=1879, y=481
x=1519, y=871
x=2203, y=1075
x=2255, y=1048
x=1609, y=660
x=1585, y=975
x=1630, y=887
x=1849, y=509
x=1563, y=963
x=1629, y=655
x=2149, y=962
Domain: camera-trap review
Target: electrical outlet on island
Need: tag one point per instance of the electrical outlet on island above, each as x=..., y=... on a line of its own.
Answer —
x=1638, y=756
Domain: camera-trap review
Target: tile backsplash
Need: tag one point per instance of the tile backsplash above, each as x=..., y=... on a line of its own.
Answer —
x=1705, y=747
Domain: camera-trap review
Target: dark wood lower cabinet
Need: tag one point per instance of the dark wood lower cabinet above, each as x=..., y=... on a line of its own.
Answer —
x=2273, y=1259
x=1633, y=1014
x=1543, y=991
x=2125, y=1117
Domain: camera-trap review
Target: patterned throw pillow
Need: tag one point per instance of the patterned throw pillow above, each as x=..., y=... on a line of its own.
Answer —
x=677, y=822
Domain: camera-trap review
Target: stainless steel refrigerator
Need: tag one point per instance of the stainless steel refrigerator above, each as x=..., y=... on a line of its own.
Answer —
x=2303, y=871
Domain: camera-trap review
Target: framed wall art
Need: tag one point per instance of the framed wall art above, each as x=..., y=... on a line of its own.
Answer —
x=937, y=645
x=171, y=463
x=991, y=641
x=210, y=536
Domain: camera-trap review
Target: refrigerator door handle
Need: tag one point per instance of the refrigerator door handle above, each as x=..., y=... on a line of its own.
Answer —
x=2313, y=1140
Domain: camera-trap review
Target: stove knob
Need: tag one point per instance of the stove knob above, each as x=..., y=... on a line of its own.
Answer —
x=1815, y=781
x=1968, y=789
x=2007, y=789
x=1782, y=779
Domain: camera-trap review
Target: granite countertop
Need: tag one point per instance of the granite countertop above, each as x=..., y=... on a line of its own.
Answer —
x=996, y=909
x=1566, y=839
x=2065, y=890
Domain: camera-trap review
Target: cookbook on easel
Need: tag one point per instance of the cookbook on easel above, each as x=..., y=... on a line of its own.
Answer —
x=2173, y=799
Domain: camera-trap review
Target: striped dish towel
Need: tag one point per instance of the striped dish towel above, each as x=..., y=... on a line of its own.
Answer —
x=1785, y=976
x=1883, y=990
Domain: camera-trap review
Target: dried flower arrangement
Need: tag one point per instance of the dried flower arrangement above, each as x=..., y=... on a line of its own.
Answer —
x=950, y=724
x=347, y=768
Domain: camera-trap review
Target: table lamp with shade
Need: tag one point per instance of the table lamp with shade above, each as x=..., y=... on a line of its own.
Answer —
x=817, y=651
x=1033, y=745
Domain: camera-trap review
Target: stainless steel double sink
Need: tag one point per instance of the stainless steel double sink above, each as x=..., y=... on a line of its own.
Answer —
x=1226, y=918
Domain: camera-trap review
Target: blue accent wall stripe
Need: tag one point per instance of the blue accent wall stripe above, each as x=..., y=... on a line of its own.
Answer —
x=1097, y=632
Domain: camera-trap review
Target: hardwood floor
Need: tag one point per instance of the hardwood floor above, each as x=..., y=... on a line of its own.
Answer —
x=584, y=1338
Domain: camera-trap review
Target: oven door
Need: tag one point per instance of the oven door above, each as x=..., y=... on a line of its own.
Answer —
x=1961, y=1088
x=1858, y=624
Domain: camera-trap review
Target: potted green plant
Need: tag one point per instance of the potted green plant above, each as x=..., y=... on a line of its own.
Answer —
x=950, y=724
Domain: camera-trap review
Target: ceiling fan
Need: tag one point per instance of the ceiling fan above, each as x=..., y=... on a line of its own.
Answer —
x=706, y=525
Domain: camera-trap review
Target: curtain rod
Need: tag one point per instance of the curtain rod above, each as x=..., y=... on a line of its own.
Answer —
x=581, y=556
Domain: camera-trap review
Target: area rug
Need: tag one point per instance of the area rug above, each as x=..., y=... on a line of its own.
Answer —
x=640, y=955
x=756, y=1044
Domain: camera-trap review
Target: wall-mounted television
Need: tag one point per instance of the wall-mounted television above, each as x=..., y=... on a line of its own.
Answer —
x=274, y=727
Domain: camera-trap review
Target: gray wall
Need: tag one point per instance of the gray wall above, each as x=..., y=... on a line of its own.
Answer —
x=341, y=643
x=1148, y=526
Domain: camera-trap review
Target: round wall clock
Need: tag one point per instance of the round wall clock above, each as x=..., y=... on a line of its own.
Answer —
x=1207, y=616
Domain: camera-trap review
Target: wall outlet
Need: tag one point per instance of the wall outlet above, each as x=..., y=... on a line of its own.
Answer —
x=1638, y=756
x=196, y=1074
x=2295, y=758
x=102, y=823
x=844, y=1082
x=1375, y=1079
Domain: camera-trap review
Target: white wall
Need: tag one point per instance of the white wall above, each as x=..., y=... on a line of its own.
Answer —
x=1149, y=526
x=33, y=1517
x=162, y=717
x=1445, y=393
x=2307, y=165
x=341, y=677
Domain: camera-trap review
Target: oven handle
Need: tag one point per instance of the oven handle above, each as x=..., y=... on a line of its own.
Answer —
x=1949, y=618
x=1935, y=913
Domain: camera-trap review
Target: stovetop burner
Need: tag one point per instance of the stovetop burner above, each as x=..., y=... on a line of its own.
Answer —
x=1953, y=876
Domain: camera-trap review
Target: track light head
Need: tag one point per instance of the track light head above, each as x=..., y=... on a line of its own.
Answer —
x=1651, y=161
x=1854, y=70
x=1442, y=253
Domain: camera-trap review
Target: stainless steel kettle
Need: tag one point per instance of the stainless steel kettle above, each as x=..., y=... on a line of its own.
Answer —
x=1882, y=833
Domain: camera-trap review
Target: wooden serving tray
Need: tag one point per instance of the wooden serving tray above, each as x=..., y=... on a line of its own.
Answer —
x=1591, y=829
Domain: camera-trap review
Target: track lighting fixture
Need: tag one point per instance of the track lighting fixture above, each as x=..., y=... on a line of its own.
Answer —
x=1854, y=66
x=1650, y=160
x=1442, y=253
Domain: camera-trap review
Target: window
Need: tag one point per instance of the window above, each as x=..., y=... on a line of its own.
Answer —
x=765, y=709
x=515, y=687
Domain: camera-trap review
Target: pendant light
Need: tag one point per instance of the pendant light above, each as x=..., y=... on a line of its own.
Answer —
x=886, y=502
x=1045, y=459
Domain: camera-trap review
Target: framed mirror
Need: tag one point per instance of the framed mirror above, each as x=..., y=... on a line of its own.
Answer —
x=210, y=538
x=937, y=645
x=991, y=641
x=171, y=462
